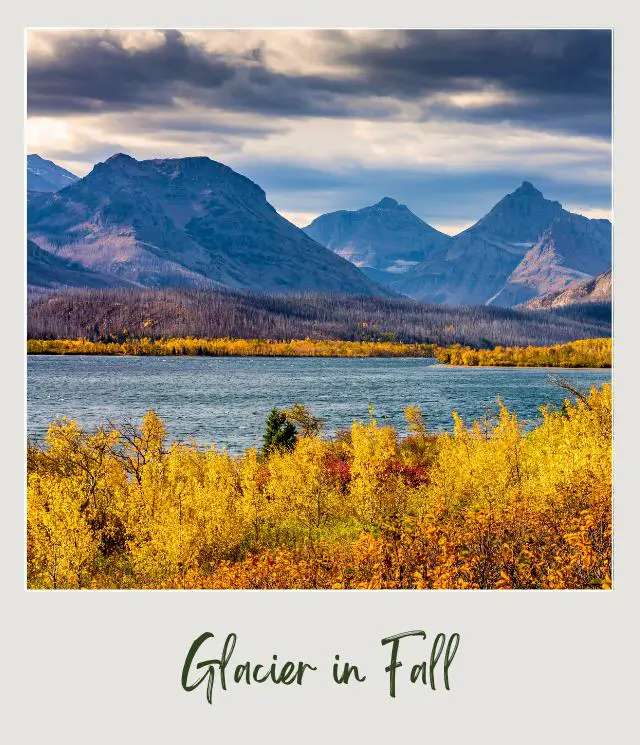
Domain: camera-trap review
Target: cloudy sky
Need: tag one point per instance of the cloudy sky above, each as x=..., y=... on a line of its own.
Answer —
x=446, y=122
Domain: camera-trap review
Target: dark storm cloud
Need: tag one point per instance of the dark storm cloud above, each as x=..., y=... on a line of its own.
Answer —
x=537, y=62
x=577, y=114
x=94, y=72
x=558, y=80
x=561, y=79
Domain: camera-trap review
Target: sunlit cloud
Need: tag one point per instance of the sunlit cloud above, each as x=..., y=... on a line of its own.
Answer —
x=452, y=228
x=593, y=214
x=301, y=219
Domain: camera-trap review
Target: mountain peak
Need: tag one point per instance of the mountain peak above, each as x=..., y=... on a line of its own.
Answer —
x=184, y=222
x=119, y=157
x=528, y=189
x=386, y=203
x=386, y=239
x=518, y=218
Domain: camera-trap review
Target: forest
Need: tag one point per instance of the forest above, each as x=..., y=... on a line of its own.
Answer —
x=122, y=314
x=492, y=504
x=583, y=353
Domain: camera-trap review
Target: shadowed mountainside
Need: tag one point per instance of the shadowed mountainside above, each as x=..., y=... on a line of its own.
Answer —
x=46, y=270
x=386, y=237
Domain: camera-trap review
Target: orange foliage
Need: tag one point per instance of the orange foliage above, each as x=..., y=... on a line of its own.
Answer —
x=583, y=353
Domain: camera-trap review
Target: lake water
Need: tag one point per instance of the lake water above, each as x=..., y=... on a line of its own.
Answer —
x=225, y=400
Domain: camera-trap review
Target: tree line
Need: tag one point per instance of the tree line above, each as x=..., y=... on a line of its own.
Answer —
x=117, y=315
x=582, y=353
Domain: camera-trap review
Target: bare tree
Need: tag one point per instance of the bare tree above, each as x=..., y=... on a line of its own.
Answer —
x=118, y=314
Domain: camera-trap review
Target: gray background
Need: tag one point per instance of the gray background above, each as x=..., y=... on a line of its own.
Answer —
x=104, y=667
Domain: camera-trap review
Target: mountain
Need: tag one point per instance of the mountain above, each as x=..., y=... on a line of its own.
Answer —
x=385, y=240
x=184, y=221
x=596, y=290
x=47, y=271
x=519, y=218
x=524, y=246
x=45, y=175
x=571, y=250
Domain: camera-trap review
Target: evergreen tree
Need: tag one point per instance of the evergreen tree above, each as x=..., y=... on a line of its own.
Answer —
x=279, y=433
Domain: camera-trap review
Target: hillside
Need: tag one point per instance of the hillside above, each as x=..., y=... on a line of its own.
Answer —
x=571, y=250
x=596, y=290
x=48, y=271
x=385, y=240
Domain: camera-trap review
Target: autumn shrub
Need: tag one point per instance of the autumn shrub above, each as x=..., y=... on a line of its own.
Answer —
x=581, y=353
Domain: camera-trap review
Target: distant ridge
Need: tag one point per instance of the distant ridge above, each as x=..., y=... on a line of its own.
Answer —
x=45, y=175
x=525, y=246
x=385, y=240
x=196, y=222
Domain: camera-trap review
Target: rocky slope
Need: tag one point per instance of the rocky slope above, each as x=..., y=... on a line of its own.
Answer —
x=45, y=175
x=187, y=221
x=572, y=249
x=47, y=271
x=595, y=290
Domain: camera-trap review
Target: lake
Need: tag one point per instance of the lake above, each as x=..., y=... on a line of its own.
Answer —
x=225, y=400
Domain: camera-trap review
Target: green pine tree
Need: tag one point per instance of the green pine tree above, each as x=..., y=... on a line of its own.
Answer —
x=279, y=433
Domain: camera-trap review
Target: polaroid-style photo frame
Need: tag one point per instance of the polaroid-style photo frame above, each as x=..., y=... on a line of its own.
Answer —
x=318, y=367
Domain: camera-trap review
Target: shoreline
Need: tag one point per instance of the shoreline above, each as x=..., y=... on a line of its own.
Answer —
x=437, y=364
x=583, y=353
x=518, y=367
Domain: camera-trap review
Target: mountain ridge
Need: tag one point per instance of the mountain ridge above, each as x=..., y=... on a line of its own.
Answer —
x=45, y=175
x=386, y=237
x=526, y=245
x=593, y=290
x=184, y=221
x=196, y=222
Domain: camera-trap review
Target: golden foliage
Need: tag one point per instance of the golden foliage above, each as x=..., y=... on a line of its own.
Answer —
x=232, y=347
x=583, y=353
x=490, y=505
